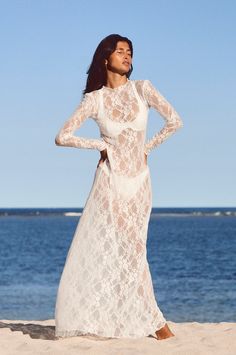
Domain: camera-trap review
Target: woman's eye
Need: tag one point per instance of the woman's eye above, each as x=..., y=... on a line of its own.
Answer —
x=120, y=52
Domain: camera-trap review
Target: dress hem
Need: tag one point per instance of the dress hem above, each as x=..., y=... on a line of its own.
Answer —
x=73, y=333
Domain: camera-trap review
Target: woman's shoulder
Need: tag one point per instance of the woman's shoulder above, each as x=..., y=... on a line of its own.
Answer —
x=141, y=86
x=89, y=101
x=91, y=96
x=91, y=93
x=142, y=82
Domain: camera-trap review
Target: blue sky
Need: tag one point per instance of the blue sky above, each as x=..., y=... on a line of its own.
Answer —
x=185, y=48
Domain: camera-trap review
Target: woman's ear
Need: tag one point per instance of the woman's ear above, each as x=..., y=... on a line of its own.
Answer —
x=106, y=61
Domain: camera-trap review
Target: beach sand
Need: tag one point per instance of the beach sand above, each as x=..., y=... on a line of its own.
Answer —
x=191, y=338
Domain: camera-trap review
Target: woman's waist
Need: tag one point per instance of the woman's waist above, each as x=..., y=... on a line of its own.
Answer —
x=124, y=167
x=127, y=139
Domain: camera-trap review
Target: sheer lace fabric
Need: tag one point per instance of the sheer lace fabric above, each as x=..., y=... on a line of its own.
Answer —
x=105, y=287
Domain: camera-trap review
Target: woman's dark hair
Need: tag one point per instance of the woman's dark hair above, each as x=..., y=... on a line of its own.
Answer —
x=97, y=75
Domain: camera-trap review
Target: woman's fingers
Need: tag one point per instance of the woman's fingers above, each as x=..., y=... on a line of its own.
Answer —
x=101, y=160
x=104, y=154
x=145, y=158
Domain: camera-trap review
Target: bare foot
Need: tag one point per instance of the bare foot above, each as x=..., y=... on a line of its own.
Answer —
x=164, y=333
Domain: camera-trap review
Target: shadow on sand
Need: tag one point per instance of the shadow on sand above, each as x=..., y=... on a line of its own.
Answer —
x=46, y=332
x=35, y=331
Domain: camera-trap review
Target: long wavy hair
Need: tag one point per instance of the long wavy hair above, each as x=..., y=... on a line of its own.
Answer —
x=97, y=74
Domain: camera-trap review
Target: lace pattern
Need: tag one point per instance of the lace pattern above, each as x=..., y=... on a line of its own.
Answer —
x=173, y=121
x=65, y=137
x=106, y=287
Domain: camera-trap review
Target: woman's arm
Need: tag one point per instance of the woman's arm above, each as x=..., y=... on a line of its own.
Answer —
x=65, y=137
x=173, y=122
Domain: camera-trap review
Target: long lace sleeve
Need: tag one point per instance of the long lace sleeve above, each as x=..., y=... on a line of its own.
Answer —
x=65, y=137
x=173, y=122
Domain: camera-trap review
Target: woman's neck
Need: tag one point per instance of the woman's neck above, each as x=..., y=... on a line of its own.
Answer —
x=114, y=80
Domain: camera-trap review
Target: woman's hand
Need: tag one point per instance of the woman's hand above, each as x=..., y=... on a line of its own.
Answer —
x=103, y=157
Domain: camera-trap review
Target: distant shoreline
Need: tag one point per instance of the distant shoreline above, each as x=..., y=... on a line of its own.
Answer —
x=156, y=211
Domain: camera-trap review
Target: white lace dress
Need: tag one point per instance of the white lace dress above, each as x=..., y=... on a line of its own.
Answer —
x=106, y=287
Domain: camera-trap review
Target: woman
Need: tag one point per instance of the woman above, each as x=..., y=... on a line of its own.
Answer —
x=106, y=287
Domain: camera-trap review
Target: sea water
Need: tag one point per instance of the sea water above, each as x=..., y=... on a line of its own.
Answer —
x=191, y=254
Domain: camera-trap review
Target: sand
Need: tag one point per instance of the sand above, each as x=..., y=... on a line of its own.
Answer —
x=191, y=338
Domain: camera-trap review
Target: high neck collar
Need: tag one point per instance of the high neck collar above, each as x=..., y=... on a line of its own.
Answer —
x=118, y=87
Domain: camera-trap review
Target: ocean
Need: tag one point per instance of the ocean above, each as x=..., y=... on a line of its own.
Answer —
x=191, y=254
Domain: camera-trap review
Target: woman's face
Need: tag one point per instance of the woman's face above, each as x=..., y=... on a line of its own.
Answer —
x=120, y=60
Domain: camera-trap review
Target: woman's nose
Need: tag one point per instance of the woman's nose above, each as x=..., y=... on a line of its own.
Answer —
x=127, y=57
